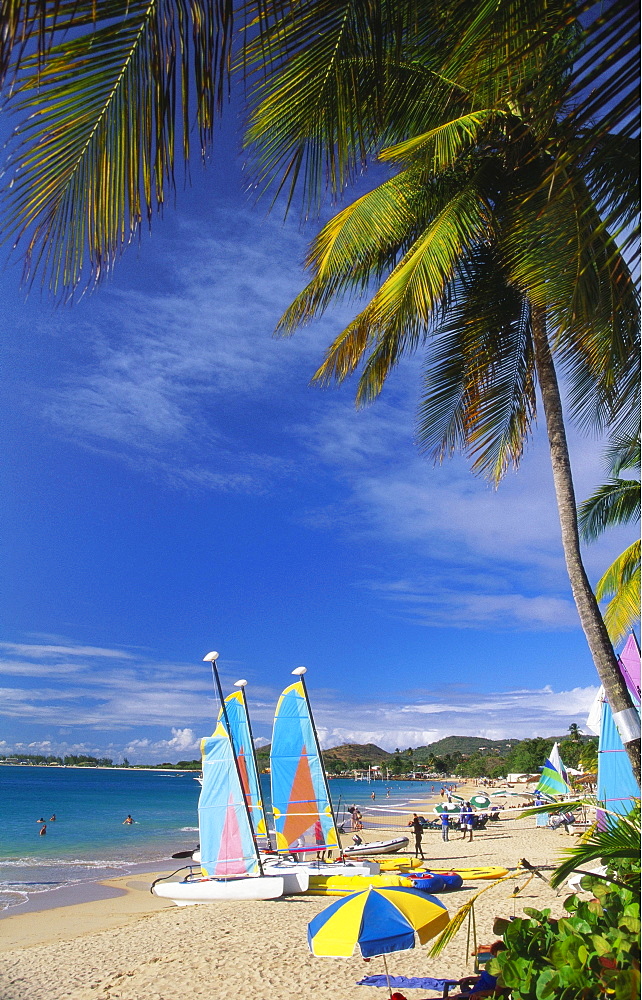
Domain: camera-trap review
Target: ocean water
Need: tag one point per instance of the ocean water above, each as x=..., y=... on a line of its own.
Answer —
x=88, y=840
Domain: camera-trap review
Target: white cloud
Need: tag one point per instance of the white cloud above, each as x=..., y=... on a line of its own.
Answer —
x=133, y=704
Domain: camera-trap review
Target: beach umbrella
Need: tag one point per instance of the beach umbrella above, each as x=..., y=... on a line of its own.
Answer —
x=448, y=807
x=376, y=922
x=480, y=801
x=458, y=798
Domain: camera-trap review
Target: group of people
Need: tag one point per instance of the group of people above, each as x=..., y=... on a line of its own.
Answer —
x=43, y=824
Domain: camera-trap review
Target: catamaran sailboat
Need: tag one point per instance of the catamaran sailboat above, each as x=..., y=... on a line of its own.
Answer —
x=231, y=818
x=304, y=822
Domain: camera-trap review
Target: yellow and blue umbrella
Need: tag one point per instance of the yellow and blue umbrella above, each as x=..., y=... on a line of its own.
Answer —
x=377, y=922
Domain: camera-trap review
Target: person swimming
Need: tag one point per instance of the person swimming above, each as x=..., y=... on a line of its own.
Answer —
x=41, y=820
x=128, y=820
x=52, y=818
x=43, y=830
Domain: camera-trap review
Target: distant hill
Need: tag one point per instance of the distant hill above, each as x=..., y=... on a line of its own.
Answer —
x=350, y=753
x=466, y=745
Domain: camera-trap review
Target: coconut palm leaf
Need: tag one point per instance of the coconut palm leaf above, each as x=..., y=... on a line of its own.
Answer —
x=103, y=116
x=621, y=840
x=615, y=502
x=454, y=926
x=620, y=585
x=400, y=312
x=479, y=379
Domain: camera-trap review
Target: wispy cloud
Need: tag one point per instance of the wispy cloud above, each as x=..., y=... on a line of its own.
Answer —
x=155, y=711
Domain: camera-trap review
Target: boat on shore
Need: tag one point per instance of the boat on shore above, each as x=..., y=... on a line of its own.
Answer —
x=377, y=847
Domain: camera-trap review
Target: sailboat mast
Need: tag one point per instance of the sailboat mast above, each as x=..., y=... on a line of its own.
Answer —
x=242, y=685
x=212, y=658
x=299, y=672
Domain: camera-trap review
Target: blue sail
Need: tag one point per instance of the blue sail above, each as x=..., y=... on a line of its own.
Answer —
x=303, y=817
x=239, y=727
x=227, y=842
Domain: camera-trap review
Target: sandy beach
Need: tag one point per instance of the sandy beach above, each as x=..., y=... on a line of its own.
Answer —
x=134, y=946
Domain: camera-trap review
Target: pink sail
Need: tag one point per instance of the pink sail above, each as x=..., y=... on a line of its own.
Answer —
x=629, y=660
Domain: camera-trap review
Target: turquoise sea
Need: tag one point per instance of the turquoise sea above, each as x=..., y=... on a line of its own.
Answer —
x=88, y=841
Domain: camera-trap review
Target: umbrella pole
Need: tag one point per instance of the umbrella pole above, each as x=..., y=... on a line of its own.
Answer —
x=385, y=965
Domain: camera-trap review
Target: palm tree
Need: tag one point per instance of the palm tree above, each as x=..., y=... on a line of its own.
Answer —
x=574, y=731
x=614, y=503
x=508, y=124
x=491, y=247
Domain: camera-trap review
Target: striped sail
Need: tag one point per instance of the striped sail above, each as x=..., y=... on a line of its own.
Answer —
x=300, y=803
x=227, y=842
x=554, y=779
x=239, y=728
x=617, y=788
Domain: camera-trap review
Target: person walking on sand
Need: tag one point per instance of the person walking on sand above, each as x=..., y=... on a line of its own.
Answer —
x=445, y=826
x=442, y=791
x=466, y=820
x=418, y=831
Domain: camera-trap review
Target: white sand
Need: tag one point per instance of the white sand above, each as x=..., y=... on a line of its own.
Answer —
x=137, y=947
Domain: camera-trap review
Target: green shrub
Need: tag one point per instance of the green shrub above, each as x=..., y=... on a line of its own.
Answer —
x=594, y=952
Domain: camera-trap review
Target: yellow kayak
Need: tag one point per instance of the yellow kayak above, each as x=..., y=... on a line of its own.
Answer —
x=415, y=865
x=398, y=864
x=343, y=885
x=472, y=874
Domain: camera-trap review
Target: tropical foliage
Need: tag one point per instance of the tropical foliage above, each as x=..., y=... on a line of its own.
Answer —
x=492, y=246
x=617, y=502
x=592, y=953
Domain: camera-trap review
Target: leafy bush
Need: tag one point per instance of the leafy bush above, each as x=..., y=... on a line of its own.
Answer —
x=592, y=953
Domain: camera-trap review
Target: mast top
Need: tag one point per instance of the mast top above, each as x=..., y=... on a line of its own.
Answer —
x=299, y=671
x=211, y=657
x=240, y=684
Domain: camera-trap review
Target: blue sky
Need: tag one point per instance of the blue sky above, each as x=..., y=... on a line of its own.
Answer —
x=173, y=485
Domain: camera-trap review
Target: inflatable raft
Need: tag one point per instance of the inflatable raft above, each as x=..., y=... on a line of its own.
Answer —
x=378, y=847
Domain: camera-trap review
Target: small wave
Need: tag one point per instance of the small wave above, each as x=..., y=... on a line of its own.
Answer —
x=189, y=829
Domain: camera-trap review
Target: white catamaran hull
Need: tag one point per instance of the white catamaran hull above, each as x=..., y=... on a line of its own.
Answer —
x=379, y=847
x=211, y=890
x=286, y=868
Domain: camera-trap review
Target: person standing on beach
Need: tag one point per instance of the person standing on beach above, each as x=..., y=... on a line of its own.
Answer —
x=418, y=831
x=445, y=826
x=466, y=820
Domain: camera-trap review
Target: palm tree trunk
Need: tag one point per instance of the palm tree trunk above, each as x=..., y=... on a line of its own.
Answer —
x=619, y=699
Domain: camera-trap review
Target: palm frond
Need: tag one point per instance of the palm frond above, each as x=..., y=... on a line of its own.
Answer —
x=399, y=315
x=340, y=79
x=621, y=840
x=614, y=503
x=479, y=379
x=620, y=585
x=441, y=147
x=96, y=152
x=456, y=923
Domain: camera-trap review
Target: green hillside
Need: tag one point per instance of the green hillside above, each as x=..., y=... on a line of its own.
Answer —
x=465, y=745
